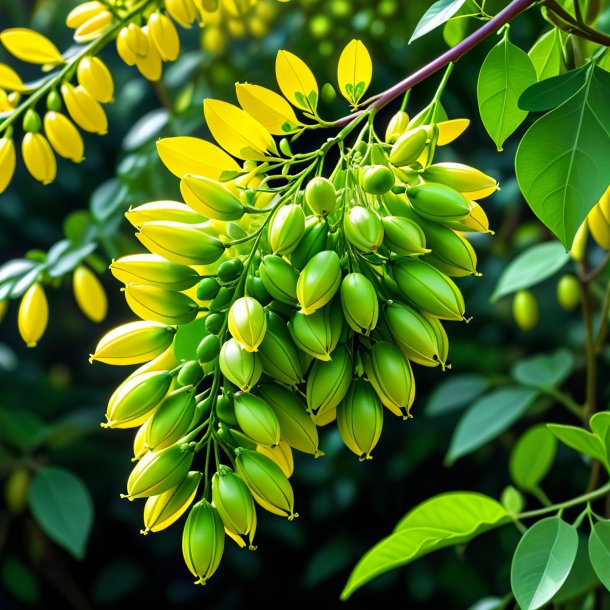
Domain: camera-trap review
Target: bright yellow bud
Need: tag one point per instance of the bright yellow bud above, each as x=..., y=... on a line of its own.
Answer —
x=164, y=35
x=123, y=49
x=95, y=77
x=92, y=28
x=89, y=294
x=38, y=157
x=182, y=11
x=33, y=315
x=83, y=12
x=7, y=162
x=84, y=109
x=9, y=79
x=150, y=64
x=30, y=46
x=63, y=136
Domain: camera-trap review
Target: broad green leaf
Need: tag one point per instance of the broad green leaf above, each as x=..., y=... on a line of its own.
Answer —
x=237, y=132
x=269, y=108
x=580, y=440
x=505, y=74
x=531, y=267
x=600, y=426
x=547, y=54
x=107, y=198
x=187, y=338
x=542, y=561
x=561, y=162
x=63, y=508
x=354, y=71
x=454, y=393
x=436, y=15
x=445, y=520
x=146, y=129
x=544, y=371
x=553, y=91
x=296, y=81
x=64, y=257
x=599, y=551
x=487, y=418
x=532, y=457
x=582, y=577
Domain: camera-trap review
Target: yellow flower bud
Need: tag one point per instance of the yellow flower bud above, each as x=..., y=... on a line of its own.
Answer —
x=90, y=294
x=164, y=35
x=33, y=315
x=92, y=28
x=95, y=77
x=63, y=136
x=150, y=65
x=83, y=12
x=181, y=11
x=123, y=49
x=38, y=157
x=7, y=162
x=84, y=109
x=9, y=79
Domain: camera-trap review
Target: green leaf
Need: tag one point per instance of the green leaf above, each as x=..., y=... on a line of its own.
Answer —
x=580, y=440
x=544, y=371
x=445, y=520
x=13, y=271
x=505, y=74
x=107, y=199
x=64, y=257
x=561, y=162
x=547, y=54
x=542, y=561
x=146, y=129
x=600, y=426
x=22, y=429
x=187, y=339
x=599, y=551
x=454, y=393
x=532, y=457
x=582, y=577
x=487, y=418
x=552, y=92
x=512, y=500
x=532, y=266
x=63, y=508
x=436, y=15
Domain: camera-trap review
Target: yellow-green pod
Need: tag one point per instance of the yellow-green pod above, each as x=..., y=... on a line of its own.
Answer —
x=320, y=196
x=525, y=310
x=281, y=454
x=153, y=270
x=279, y=279
x=328, y=382
x=163, y=210
x=159, y=305
x=172, y=420
x=247, y=323
x=359, y=302
x=451, y=253
x=409, y=146
x=319, y=281
x=363, y=229
x=33, y=315
x=239, y=366
x=89, y=294
x=256, y=419
x=211, y=198
x=286, y=229
x=438, y=202
x=318, y=333
x=313, y=241
x=403, y=236
x=396, y=127
x=461, y=177
x=568, y=291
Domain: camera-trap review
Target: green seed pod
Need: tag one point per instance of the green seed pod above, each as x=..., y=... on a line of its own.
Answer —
x=203, y=540
x=461, y=177
x=398, y=205
x=256, y=419
x=133, y=401
x=163, y=210
x=166, y=508
x=279, y=278
x=363, y=229
x=160, y=470
x=158, y=305
x=208, y=348
x=438, y=202
x=214, y=322
x=429, y=289
x=181, y=243
x=409, y=146
x=256, y=289
x=376, y=179
x=319, y=281
x=413, y=334
x=313, y=241
x=476, y=221
x=525, y=310
x=229, y=271
x=391, y=376
x=281, y=454
x=139, y=440
x=153, y=270
x=191, y=373
x=328, y=382
x=222, y=300
x=396, y=127
x=211, y=198
x=235, y=505
x=225, y=410
x=451, y=253
x=317, y=333
x=321, y=196
x=403, y=236
x=172, y=420
x=442, y=340
x=278, y=354
x=239, y=366
x=286, y=229
x=207, y=289
x=360, y=419
x=296, y=426
x=359, y=302
x=568, y=292
x=247, y=323
x=270, y=487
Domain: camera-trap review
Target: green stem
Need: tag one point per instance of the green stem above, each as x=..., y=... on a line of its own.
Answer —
x=603, y=322
x=587, y=317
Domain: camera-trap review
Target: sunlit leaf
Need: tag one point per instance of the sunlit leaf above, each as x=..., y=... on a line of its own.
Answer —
x=436, y=15
x=547, y=54
x=599, y=551
x=580, y=440
x=30, y=46
x=296, y=81
x=544, y=370
x=532, y=457
x=354, y=71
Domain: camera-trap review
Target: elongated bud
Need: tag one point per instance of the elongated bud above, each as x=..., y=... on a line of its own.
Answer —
x=442, y=340
x=256, y=419
x=296, y=426
x=247, y=323
x=133, y=343
x=429, y=289
x=89, y=293
x=396, y=127
x=181, y=11
x=203, y=540
x=159, y=471
x=38, y=157
x=150, y=65
x=137, y=40
x=239, y=366
x=525, y=310
x=461, y=177
x=153, y=270
x=363, y=229
x=166, y=508
x=359, y=302
x=159, y=305
x=235, y=505
x=451, y=253
x=476, y=221
x=180, y=243
x=286, y=229
x=83, y=12
x=33, y=315
x=190, y=374
x=93, y=27
x=123, y=49
x=360, y=419
x=163, y=210
x=164, y=35
x=328, y=382
x=376, y=179
x=438, y=202
x=270, y=487
x=279, y=279
x=391, y=376
x=598, y=221
x=578, y=251
x=321, y=196
x=84, y=109
x=319, y=281
x=568, y=291
x=312, y=242
x=8, y=161
x=211, y=198
x=63, y=136
x=95, y=77
x=317, y=333
x=281, y=454
x=409, y=146
x=172, y=420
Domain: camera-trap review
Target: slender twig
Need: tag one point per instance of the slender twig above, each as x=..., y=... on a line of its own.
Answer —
x=587, y=318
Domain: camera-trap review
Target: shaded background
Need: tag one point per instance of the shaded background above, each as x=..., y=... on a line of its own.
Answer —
x=52, y=399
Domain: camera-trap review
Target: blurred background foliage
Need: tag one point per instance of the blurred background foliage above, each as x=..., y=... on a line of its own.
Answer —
x=52, y=399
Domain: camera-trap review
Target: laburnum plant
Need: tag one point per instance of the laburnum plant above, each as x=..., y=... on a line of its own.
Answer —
x=293, y=290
